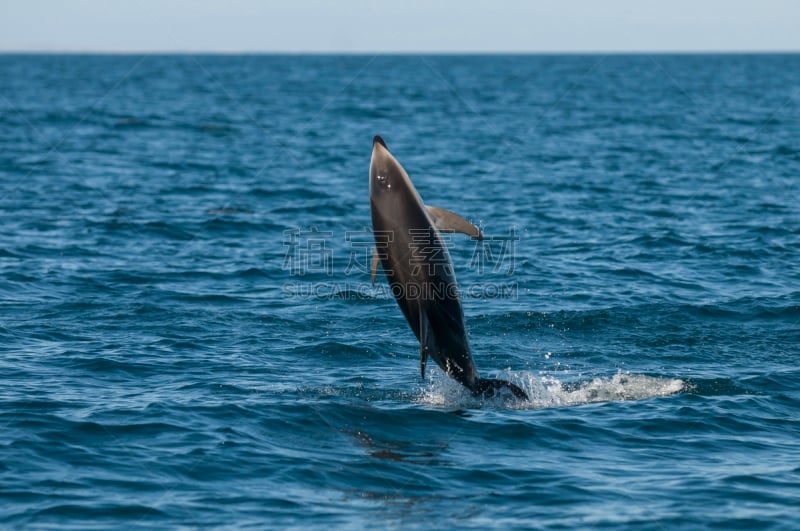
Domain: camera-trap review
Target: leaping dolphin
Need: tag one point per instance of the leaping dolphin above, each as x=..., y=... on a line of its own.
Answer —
x=418, y=267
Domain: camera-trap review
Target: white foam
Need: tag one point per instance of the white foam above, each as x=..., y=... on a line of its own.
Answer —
x=548, y=391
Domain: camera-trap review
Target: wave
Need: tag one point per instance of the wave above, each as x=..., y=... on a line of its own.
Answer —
x=786, y=306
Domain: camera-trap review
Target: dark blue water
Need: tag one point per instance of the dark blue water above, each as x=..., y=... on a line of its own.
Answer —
x=188, y=334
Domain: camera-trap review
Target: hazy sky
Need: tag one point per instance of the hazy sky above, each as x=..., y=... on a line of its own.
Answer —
x=398, y=25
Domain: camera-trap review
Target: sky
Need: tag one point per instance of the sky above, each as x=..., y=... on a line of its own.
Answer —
x=372, y=26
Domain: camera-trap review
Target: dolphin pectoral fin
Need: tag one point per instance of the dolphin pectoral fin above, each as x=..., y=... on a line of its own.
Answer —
x=448, y=221
x=375, y=261
x=423, y=359
x=424, y=337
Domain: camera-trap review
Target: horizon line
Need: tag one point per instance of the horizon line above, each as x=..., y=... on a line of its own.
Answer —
x=403, y=52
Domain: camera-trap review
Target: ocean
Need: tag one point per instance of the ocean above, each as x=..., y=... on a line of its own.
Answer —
x=189, y=336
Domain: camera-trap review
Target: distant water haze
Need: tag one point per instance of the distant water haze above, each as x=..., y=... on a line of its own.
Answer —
x=359, y=26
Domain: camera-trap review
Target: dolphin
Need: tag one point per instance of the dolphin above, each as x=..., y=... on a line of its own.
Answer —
x=409, y=246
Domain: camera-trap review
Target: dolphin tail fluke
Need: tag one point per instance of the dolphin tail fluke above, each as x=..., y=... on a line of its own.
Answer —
x=488, y=387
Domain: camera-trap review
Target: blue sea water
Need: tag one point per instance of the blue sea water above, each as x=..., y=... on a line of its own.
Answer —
x=189, y=336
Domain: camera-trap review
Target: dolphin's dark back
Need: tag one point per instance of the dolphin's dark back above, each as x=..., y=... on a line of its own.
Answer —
x=420, y=274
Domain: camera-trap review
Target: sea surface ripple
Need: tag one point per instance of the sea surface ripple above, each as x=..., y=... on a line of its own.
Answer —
x=189, y=336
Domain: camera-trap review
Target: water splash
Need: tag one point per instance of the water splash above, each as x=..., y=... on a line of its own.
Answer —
x=547, y=391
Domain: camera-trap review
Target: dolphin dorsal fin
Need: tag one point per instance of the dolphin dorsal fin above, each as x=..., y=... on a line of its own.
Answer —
x=447, y=221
